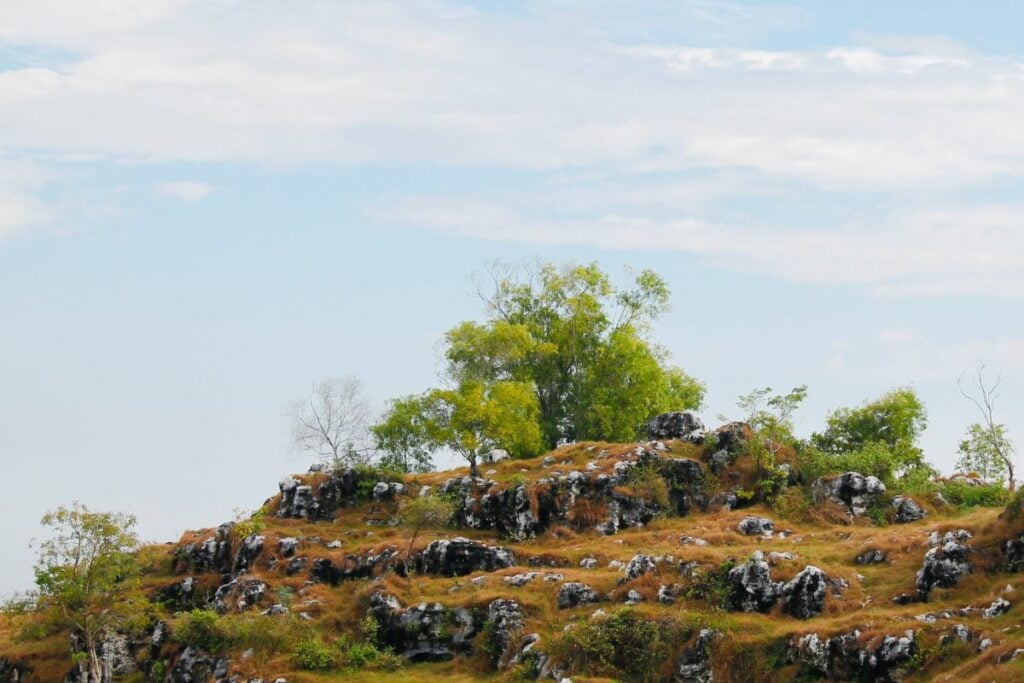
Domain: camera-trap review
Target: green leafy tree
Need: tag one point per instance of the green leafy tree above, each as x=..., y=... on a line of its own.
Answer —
x=895, y=420
x=982, y=451
x=425, y=512
x=402, y=438
x=770, y=415
x=86, y=577
x=477, y=417
x=580, y=342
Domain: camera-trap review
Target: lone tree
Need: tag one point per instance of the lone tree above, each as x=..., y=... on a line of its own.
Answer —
x=85, y=576
x=332, y=423
x=425, y=512
x=987, y=447
x=471, y=419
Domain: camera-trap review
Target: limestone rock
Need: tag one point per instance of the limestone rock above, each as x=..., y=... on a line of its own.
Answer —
x=906, y=509
x=753, y=526
x=852, y=490
x=460, y=556
x=804, y=596
x=752, y=587
x=574, y=593
x=676, y=425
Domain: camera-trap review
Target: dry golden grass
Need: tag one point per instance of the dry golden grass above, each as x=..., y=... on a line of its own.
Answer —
x=821, y=535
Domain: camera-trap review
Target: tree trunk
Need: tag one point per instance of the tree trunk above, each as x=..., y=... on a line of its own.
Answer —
x=473, y=471
x=95, y=668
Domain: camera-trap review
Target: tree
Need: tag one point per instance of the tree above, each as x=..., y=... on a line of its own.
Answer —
x=332, y=423
x=771, y=417
x=580, y=342
x=425, y=512
x=85, y=575
x=477, y=417
x=884, y=431
x=981, y=452
x=401, y=435
x=995, y=445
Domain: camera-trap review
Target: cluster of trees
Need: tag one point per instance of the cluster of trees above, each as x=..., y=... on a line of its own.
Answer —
x=879, y=437
x=562, y=355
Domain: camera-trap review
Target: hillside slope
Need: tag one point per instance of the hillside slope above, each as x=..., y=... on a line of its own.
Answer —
x=625, y=561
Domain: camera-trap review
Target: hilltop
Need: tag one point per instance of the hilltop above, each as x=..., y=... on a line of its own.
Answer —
x=658, y=560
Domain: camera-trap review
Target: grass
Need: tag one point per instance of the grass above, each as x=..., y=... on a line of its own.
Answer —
x=755, y=643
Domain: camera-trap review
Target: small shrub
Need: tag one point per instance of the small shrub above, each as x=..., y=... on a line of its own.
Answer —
x=648, y=484
x=967, y=496
x=625, y=645
x=202, y=628
x=793, y=504
x=285, y=595
x=712, y=585
x=249, y=523
x=358, y=655
x=312, y=654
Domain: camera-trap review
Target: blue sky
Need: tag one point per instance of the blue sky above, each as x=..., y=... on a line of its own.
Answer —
x=203, y=206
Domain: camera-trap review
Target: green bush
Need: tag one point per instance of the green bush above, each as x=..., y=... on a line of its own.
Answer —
x=712, y=585
x=625, y=646
x=649, y=485
x=968, y=496
x=312, y=654
x=202, y=628
x=357, y=655
x=249, y=523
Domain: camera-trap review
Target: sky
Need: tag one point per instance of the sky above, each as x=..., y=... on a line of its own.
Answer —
x=206, y=205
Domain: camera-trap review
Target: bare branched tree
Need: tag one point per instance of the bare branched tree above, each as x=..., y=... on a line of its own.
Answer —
x=984, y=396
x=332, y=424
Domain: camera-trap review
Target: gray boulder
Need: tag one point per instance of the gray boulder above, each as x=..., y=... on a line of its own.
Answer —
x=852, y=490
x=574, y=593
x=804, y=596
x=752, y=587
x=694, y=664
x=944, y=567
x=754, y=526
x=871, y=557
x=640, y=565
x=906, y=509
x=676, y=425
x=460, y=556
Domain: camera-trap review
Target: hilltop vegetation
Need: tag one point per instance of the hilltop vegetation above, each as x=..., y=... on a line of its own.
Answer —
x=645, y=547
x=662, y=560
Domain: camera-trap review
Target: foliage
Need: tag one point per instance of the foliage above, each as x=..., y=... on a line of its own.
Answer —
x=895, y=420
x=312, y=654
x=426, y=512
x=770, y=415
x=402, y=436
x=202, y=628
x=982, y=450
x=794, y=504
x=86, y=575
x=967, y=496
x=249, y=523
x=580, y=343
x=648, y=484
x=995, y=450
x=474, y=418
x=624, y=645
x=712, y=585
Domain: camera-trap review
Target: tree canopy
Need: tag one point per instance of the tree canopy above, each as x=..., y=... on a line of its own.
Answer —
x=85, y=576
x=581, y=343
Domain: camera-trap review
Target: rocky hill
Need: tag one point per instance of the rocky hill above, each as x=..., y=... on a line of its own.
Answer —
x=652, y=561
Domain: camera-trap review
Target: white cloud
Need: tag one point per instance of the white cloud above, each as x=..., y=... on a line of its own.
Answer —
x=874, y=146
x=188, y=191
